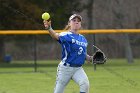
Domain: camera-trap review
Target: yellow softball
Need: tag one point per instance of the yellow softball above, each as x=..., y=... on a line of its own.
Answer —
x=45, y=16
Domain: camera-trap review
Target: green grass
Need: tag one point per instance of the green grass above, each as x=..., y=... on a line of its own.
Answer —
x=116, y=76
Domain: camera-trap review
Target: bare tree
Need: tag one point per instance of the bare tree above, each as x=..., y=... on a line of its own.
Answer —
x=90, y=21
x=119, y=16
x=110, y=14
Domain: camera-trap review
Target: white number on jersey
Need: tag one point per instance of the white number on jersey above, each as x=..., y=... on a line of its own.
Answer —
x=80, y=50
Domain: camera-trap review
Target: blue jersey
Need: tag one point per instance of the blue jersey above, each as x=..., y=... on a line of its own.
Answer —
x=74, y=48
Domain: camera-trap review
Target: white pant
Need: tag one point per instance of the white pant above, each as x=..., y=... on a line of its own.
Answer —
x=66, y=73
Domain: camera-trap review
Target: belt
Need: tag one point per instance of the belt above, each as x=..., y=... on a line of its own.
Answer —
x=72, y=65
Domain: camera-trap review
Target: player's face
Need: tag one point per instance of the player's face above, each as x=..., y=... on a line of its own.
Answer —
x=75, y=24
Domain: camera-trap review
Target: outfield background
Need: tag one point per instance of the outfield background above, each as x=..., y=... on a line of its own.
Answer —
x=31, y=44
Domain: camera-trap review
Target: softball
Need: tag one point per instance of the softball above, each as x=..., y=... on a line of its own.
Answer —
x=45, y=16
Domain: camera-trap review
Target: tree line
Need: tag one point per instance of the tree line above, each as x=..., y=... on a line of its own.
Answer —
x=97, y=14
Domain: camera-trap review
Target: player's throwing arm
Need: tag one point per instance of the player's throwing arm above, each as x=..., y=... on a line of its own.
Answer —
x=47, y=24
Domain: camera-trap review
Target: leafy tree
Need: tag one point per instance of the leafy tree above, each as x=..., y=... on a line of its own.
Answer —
x=26, y=15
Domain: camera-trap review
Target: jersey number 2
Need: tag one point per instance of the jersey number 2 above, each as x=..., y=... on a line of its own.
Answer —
x=80, y=51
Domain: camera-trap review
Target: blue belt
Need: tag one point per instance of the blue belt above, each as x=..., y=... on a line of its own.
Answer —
x=72, y=65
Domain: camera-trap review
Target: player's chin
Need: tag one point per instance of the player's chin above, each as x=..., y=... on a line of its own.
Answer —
x=77, y=27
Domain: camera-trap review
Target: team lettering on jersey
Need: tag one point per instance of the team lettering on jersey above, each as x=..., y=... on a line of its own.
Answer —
x=79, y=43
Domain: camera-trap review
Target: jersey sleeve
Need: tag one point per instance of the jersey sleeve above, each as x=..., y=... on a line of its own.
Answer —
x=63, y=37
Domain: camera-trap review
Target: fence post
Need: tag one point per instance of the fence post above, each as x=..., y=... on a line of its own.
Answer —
x=35, y=53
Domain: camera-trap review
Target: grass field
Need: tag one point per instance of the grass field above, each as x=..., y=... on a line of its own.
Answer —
x=116, y=76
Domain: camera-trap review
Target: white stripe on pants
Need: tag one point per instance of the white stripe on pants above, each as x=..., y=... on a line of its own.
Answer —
x=65, y=74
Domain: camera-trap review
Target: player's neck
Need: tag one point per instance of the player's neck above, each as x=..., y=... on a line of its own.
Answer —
x=74, y=31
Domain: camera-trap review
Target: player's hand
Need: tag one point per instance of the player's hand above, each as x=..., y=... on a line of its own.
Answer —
x=47, y=24
x=89, y=58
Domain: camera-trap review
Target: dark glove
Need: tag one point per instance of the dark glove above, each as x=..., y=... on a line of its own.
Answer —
x=99, y=57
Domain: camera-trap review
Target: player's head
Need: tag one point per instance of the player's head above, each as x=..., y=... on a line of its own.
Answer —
x=75, y=16
x=74, y=22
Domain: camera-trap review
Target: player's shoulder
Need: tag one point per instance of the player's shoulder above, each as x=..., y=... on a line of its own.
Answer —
x=82, y=36
x=64, y=33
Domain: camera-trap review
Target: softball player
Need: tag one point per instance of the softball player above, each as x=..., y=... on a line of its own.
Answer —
x=74, y=54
